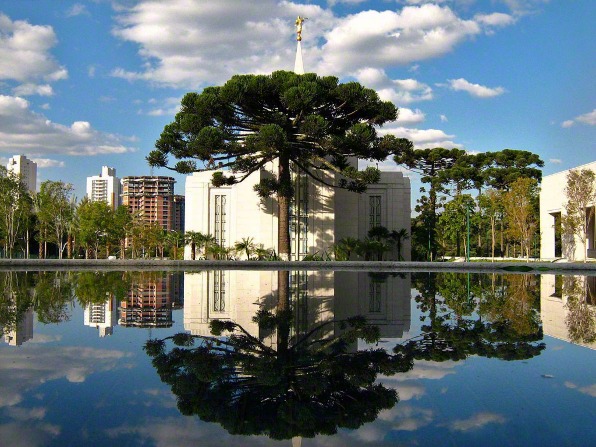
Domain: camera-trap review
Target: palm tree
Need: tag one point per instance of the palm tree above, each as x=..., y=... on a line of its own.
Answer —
x=398, y=238
x=174, y=240
x=194, y=239
x=348, y=245
x=246, y=245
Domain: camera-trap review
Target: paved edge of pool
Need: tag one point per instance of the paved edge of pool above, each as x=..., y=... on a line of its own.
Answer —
x=588, y=268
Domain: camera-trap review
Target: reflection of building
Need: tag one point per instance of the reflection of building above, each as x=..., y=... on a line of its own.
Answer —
x=552, y=207
x=149, y=303
x=23, y=330
x=555, y=294
x=103, y=316
x=317, y=297
x=152, y=197
x=25, y=169
x=104, y=187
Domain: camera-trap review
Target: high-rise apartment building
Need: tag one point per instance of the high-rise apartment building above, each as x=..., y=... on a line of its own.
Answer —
x=179, y=212
x=25, y=169
x=102, y=316
x=148, y=304
x=152, y=197
x=104, y=187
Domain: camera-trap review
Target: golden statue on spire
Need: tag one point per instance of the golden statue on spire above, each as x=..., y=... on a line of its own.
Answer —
x=299, y=22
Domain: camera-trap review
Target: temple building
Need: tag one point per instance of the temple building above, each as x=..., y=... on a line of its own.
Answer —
x=320, y=215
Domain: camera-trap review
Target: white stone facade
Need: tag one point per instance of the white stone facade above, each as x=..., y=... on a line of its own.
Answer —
x=105, y=187
x=552, y=207
x=321, y=215
x=25, y=169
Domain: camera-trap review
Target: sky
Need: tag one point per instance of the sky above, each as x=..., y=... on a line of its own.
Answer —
x=90, y=83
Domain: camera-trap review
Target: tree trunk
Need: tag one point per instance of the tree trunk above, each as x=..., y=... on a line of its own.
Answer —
x=284, y=195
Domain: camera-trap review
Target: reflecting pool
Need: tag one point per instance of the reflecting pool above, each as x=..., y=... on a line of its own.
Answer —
x=311, y=358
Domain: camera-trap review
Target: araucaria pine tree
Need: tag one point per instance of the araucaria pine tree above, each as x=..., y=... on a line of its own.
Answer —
x=303, y=122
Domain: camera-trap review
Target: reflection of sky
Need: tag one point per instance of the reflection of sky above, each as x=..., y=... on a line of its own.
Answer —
x=67, y=386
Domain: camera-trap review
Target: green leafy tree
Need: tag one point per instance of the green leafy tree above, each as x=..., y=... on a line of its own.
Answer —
x=95, y=222
x=302, y=123
x=15, y=209
x=56, y=210
x=579, y=214
x=490, y=204
x=434, y=166
x=453, y=221
x=520, y=205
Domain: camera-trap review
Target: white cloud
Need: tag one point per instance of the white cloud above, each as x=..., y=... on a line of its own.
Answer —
x=567, y=123
x=23, y=130
x=443, y=118
x=48, y=163
x=166, y=107
x=495, y=19
x=477, y=90
x=522, y=7
x=398, y=91
x=182, y=41
x=587, y=118
x=381, y=38
x=555, y=161
x=25, y=52
x=409, y=116
x=477, y=421
x=29, y=89
x=76, y=10
x=422, y=138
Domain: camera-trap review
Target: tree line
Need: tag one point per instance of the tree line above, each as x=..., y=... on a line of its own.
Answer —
x=488, y=202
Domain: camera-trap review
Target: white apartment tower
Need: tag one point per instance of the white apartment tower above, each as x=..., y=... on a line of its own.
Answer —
x=25, y=169
x=105, y=187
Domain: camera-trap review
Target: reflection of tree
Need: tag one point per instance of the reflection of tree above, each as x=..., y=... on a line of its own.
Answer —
x=449, y=335
x=303, y=385
x=52, y=294
x=15, y=299
x=94, y=287
x=580, y=318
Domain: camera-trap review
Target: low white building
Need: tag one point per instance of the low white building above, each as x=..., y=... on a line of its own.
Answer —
x=552, y=208
x=320, y=215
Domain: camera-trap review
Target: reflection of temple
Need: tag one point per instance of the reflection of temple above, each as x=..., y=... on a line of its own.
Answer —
x=555, y=294
x=102, y=316
x=23, y=330
x=149, y=303
x=317, y=297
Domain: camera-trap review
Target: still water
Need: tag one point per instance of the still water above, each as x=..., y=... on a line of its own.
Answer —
x=297, y=358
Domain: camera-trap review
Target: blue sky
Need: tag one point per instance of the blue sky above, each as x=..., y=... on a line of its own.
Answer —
x=92, y=82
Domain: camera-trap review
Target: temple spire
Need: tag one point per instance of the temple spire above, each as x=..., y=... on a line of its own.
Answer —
x=298, y=65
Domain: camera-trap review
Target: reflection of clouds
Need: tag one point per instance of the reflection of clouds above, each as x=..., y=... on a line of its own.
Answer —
x=476, y=422
x=28, y=434
x=25, y=414
x=19, y=373
x=407, y=417
x=590, y=390
x=44, y=338
x=188, y=431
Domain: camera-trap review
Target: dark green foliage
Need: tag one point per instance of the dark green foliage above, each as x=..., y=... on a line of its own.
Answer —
x=309, y=386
